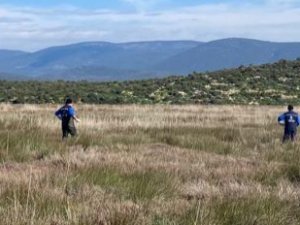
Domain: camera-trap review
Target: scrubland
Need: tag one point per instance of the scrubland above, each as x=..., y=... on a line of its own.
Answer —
x=157, y=165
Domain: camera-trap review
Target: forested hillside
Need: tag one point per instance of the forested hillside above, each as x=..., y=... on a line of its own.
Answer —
x=277, y=83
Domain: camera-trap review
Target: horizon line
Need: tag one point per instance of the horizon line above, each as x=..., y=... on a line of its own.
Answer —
x=143, y=41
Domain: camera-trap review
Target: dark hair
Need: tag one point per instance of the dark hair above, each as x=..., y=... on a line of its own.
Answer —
x=69, y=101
x=290, y=107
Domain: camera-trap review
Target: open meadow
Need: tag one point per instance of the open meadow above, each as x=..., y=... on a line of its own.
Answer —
x=148, y=165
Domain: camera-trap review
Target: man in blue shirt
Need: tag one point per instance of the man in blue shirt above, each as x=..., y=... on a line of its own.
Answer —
x=291, y=121
x=67, y=116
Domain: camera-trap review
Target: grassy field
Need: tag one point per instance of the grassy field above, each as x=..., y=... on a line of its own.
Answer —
x=156, y=165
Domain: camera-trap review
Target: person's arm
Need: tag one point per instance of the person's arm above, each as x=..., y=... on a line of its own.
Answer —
x=298, y=120
x=76, y=119
x=73, y=114
x=58, y=114
x=281, y=118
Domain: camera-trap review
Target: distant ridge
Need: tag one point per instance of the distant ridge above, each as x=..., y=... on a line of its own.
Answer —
x=105, y=61
x=229, y=53
x=8, y=54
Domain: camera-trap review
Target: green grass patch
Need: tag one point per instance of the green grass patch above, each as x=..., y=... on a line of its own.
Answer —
x=218, y=140
x=128, y=138
x=135, y=186
x=26, y=202
x=237, y=211
x=292, y=172
x=27, y=145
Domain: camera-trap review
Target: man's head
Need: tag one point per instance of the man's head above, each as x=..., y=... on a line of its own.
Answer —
x=290, y=107
x=69, y=101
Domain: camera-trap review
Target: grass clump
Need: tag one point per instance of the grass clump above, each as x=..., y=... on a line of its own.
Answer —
x=23, y=203
x=218, y=140
x=28, y=145
x=293, y=172
x=145, y=185
x=236, y=211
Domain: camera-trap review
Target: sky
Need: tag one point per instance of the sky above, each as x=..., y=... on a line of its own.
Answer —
x=31, y=25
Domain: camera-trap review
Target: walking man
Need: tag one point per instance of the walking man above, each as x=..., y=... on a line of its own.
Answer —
x=291, y=121
x=67, y=116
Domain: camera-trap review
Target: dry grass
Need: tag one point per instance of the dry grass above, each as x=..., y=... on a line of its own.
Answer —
x=157, y=165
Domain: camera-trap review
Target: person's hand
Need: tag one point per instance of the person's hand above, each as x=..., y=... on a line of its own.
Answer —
x=76, y=119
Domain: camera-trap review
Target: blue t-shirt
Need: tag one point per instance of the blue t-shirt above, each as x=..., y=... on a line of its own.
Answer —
x=291, y=120
x=65, y=113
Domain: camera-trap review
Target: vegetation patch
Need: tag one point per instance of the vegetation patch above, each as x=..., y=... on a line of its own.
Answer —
x=237, y=211
x=148, y=164
x=135, y=186
x=269, y=84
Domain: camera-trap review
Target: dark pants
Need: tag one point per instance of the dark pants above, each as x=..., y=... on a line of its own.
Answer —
x=290, y=135
x=66, y=130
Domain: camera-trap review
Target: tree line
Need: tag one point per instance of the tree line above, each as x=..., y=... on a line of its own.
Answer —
x=277, y=83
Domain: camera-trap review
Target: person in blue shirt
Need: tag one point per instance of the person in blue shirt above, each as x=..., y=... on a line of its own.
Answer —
x=291, y=121
x=67, y=116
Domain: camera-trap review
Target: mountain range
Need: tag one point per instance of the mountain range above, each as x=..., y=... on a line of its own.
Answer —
x=105, y=61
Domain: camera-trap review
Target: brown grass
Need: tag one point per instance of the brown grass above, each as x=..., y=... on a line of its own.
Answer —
x=148, y=165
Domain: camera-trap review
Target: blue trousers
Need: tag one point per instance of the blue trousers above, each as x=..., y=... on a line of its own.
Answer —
x=289, y=135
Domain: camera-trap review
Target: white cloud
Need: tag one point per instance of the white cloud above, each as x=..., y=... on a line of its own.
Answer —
x=32, y=29
x=280, y=2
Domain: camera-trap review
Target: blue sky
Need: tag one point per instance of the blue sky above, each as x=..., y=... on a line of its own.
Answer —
x=108, y=4
x=34, y=24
